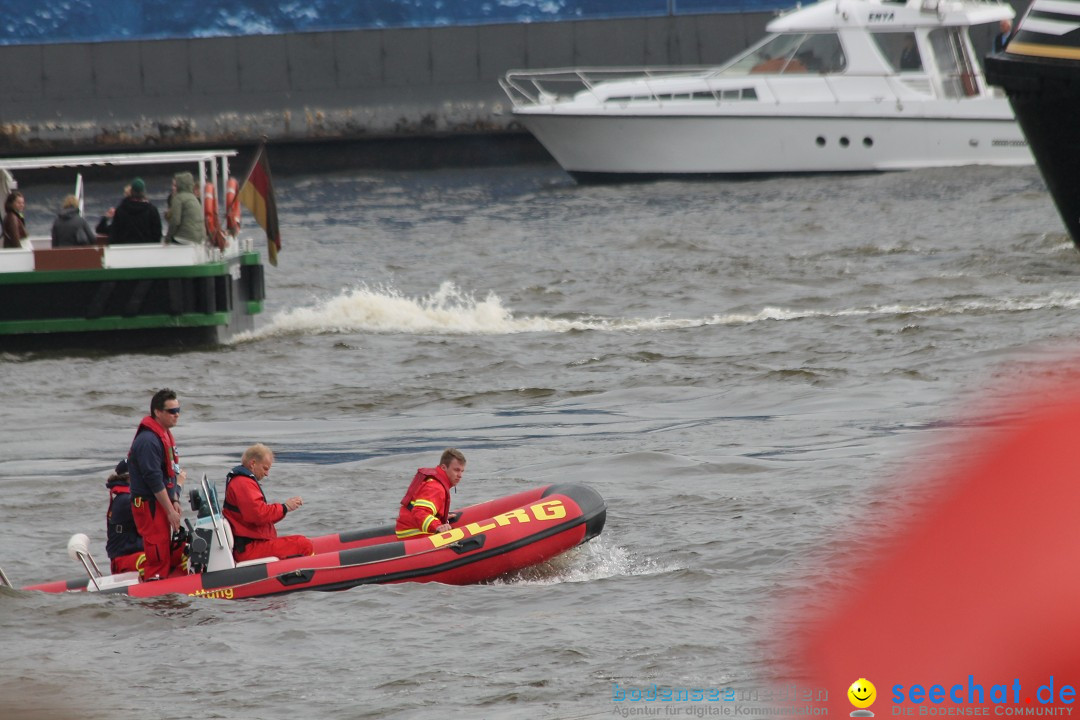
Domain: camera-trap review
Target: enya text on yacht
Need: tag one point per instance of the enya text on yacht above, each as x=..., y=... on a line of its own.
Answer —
x=840, y=85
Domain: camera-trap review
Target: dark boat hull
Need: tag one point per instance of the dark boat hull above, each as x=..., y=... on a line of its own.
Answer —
x=138, y=307
x=1041, y=75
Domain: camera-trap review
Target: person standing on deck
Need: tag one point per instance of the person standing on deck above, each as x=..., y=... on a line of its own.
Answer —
x=135, y=219
x=14, y=222
x=156, y=482
x=185, y=213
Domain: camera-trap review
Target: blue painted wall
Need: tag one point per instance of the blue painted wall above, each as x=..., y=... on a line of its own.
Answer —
x=65, y=21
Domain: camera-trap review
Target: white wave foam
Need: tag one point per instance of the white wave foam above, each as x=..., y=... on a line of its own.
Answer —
x=593, y=561
x=451, y=311
x=446, y=311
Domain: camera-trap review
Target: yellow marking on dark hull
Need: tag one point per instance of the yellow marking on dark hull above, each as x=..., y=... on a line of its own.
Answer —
x=1050, y=51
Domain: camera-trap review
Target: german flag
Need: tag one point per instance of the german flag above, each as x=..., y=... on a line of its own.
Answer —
x=257, y=195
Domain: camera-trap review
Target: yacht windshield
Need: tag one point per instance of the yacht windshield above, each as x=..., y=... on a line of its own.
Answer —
x=791, y=53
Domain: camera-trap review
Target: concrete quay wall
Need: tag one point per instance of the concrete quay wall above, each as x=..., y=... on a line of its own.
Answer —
x=419, y=83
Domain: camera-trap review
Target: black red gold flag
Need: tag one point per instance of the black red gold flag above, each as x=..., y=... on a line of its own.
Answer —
x=257, y=195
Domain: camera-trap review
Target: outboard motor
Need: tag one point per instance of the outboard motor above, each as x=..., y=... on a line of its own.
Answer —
x=202, y=536
x=199, y=547
x=204, y=501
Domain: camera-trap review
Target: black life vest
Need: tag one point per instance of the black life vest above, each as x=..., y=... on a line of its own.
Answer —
x=123, y=537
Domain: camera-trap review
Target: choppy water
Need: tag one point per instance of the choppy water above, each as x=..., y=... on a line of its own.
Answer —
x=742, y=369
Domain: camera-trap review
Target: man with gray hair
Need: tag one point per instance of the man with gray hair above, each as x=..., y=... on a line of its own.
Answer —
x=252, y=518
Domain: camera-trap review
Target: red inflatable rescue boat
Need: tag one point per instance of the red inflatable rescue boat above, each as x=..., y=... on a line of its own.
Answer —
x=484, y=542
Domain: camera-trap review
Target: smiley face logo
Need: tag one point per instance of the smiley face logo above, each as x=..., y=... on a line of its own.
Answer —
x=862, y=693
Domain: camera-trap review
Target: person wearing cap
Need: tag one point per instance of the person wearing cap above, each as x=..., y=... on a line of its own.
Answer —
x=425, y=508
x=70, y=229
x=123, y=544
x=252, y=518
x=156, y=481
x=135, y=219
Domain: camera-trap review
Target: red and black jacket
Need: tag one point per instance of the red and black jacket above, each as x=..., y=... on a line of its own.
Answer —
x=123, y=538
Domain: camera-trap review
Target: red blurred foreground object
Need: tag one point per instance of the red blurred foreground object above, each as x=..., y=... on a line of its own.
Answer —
x=973, y=610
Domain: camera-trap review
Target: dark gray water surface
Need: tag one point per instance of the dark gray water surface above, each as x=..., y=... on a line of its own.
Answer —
x=741, y=368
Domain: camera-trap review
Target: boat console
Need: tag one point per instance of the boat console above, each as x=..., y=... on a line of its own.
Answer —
x=211, y=536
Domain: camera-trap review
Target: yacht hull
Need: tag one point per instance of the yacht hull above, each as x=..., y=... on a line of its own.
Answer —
x=586, y=145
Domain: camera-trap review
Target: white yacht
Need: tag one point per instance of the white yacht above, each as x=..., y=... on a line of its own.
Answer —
x=840, y=85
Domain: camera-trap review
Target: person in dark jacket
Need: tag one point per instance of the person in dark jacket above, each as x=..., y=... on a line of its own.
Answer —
x=1002, y=39
x=123, y=545
x=105, y=223
x=70, y=229
x=14, y=221
x=136, y=220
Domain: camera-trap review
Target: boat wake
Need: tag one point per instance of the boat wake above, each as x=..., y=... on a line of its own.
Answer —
x=592, y=561
x=448, y=310
x=451, y=311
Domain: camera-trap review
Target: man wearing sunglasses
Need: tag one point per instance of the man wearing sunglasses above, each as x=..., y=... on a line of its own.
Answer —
x=156, y=484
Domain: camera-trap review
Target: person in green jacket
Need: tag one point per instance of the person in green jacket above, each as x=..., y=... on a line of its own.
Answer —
x=185, y=213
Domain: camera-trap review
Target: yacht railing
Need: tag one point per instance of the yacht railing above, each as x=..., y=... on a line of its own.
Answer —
x=538, y=87
x=544, y=87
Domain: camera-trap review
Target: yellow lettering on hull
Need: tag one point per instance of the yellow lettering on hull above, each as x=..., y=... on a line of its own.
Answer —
x=477, y=528
x=222, y=594
x=518, y=514
x=541, y=512
x=450, y=536
x=550, y=510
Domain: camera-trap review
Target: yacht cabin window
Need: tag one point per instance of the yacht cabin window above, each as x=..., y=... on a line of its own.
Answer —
x=952, y=55
x=792, y=53
x=982, y=39
x=900, y=50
